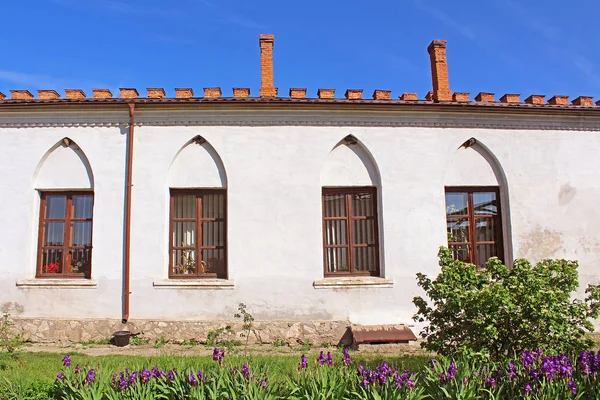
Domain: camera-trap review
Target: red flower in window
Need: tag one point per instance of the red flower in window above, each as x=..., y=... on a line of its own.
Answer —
x=51, y=268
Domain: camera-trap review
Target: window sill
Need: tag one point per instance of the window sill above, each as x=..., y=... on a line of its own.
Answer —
x=348, y=282
x=57, y=283
x=214, y=284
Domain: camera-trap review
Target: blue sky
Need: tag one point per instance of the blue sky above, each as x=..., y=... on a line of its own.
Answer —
x=502, y=46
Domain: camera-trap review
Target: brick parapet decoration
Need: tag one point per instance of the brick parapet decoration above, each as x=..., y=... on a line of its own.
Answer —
x=48, y=95
x=21, y=95
x=156, y=93
x=326, y=93
x=485, y=97
x=353, y=94
x=583, y=101
x=102, y=93
x=382, y=95
x=128, y=93
x=297, y=93
x=212, y=93
x=559, y=100
x=535, y=99
x=184, y=93
x=408, y=97
x=74, y=94
x=439, y=74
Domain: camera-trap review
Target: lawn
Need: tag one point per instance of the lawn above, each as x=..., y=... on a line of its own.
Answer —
x=39, y=370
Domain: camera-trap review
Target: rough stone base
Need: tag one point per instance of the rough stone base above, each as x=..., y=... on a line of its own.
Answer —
x=39, y=330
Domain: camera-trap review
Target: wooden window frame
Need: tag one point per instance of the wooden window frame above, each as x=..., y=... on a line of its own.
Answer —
x=198, y=220
x=349, y=218
x=472, y=217
x=66, y=247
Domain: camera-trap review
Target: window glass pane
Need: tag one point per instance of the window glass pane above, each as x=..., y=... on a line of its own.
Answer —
x=485, y=229
x=213, y=261
x=335, y=232
x=81, y=234
x=334, y=205
x=458, y=229
x=213, y=206
x=363, y=231
x=363, y=204
x=460, y=252
x=484, y=252
x=337, y=259
x=364, y=259
x=81, y=261
x=184, y=234
x=56, y=206
x=82, y=206
x=185, y=206
x=54, y=234
x=456, y=203
x=213, y=233
x=52, y=261
x=485, y=203
x=184, y=262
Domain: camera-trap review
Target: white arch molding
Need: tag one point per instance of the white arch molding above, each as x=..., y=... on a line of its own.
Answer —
x=350, y=163
x=64, y=166
x=474, y=164
x=197, y=165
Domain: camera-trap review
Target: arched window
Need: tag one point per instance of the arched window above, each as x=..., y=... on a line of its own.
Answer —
x=198, y=213
x=65, y=184
x=477, y=216
x=350, y=181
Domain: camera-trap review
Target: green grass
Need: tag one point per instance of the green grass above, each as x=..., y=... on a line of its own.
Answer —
x=41, y=368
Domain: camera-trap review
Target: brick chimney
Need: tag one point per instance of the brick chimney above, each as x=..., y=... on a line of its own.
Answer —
x=267, y=85
x=2, y=96
x=439, y=71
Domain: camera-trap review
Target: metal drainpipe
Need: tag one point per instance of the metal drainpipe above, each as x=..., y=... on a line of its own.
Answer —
x=128, y=186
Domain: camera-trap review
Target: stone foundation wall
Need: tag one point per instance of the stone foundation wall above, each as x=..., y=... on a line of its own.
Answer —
x=62, y=331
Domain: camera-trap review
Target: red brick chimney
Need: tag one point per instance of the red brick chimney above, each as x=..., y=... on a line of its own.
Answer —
x=267, y=85
x=439, y=71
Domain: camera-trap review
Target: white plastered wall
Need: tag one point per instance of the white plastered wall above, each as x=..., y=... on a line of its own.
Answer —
x=274, y=179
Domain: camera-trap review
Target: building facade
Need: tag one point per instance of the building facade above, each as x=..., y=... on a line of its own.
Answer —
x=161, y=215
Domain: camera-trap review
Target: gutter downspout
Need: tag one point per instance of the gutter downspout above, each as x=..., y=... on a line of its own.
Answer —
x=128, y=186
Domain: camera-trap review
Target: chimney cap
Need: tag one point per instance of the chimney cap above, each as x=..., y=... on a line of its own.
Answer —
x=436, y=43
x=266, y=37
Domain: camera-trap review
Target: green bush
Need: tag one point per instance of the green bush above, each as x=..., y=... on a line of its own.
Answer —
x=497, y=312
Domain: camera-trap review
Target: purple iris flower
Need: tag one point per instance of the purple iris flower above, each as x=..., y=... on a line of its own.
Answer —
x=321, y=358
x=246, y=371
x=201, y=376
x=60, y=377
x=346, y=356
x=218, y=355
x=67, y=361
x=573, y=387
x=90, y=377
x=527, y=390
x=77, y=369
x=192, y=379
x=303, y=362
x=329, y=359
